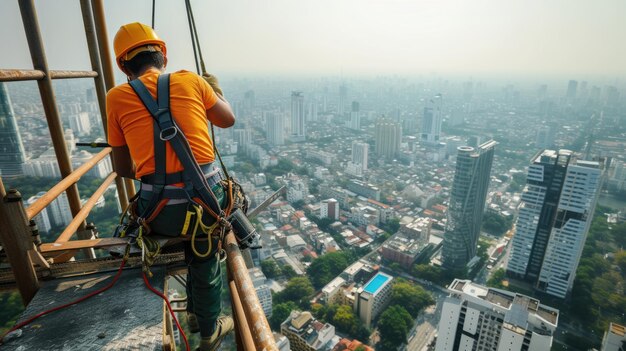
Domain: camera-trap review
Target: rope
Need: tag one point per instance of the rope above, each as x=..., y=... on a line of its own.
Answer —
x=195, y=34
x=153, y=12
x=71, y=303
x=192, y=32
x=169, y=308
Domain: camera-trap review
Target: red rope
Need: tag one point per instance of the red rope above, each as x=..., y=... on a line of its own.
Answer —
x=94, y=293
x=169, y=308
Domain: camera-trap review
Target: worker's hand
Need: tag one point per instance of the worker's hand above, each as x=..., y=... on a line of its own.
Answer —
x=212, y=80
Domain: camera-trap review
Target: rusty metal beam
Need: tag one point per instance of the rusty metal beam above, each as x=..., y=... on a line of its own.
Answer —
x=38, y=56
x=260, y=328
x=84, y=212
x=96, y=65
x=65, y=183
x=241, y=324
x=13, y=75
x=107, y=65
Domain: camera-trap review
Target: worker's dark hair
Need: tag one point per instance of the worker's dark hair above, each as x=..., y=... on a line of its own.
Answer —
x=144, y=60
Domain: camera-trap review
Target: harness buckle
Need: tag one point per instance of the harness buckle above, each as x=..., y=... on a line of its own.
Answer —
x=168, y=133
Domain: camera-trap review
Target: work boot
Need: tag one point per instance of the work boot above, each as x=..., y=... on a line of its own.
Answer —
x=192, y=321
x=223, y=326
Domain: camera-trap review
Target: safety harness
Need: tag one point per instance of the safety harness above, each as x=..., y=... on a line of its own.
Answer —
x=196, y=191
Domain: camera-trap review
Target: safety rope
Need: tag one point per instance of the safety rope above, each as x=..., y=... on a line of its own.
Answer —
x=153, y=12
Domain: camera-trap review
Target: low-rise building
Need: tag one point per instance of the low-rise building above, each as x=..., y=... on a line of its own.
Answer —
x=305, y=333
x=614, y=338
x=373, y=297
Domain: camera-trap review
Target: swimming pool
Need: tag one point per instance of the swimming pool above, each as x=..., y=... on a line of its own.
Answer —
x=375, y=284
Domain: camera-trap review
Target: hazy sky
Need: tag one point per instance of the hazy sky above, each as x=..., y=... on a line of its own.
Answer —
x=331, y=37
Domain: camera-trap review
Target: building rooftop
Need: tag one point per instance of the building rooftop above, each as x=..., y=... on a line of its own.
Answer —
x=617, y=329
x=377, y=282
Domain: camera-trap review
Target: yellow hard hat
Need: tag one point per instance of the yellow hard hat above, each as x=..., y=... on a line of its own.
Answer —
x=134, y=38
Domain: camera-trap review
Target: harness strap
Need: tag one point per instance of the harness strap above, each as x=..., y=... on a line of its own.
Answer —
x=169, y=131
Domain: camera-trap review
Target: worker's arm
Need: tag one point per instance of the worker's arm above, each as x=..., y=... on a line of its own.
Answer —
x=122, y=163
x=220, y=114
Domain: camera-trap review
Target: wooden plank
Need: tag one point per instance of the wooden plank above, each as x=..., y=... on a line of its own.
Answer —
x=82, y=244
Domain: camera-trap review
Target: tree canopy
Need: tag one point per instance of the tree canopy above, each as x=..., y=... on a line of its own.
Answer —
x=323, y=269
x=394, y=325
x=413, y=298
x=298, y=290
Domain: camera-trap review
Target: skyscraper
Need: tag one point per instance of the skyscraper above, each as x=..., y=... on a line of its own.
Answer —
x=431, y=121
x=359, y=154
x=275, y=128
x=11, y=147
x=475, y=317
x=298, y=127
x=555, y=214
x=343, y=97
x=467, y=204
x=388, y=138
x=572, y=87
x=355, y=117
x=545, y=136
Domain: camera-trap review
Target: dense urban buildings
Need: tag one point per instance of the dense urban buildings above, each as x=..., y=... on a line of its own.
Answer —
x=554, y=218
x=467, y=204
x=11, y=149
x=475, y=317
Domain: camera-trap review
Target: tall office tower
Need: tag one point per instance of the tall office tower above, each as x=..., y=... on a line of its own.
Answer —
x=11, y=147
x=275, y=128
x=298, y=126
x=545, y=136
x=431, y=121
x=359, y=154
x=262, y=289
x=388, y=138
x=249, y=100
x=572, y=87
x=467, y=204
x=557, y=207
x=343, y=97
x=312, y=111
x=475, y=317
x=80, y=123
x=42, y=219
x=355, y=117
x=243, y=137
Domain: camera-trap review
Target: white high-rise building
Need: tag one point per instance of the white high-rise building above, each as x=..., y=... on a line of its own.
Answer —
x=360, y=153
x=579, y=196
x=42, y=219
x=430, y=132
x=59, y=210
x=275, y=128
x=262, y=290
x=475, y=317
x=80, y=123
x=298, y=122
x=388, y=138
x=343, y=97
x=355, y=117
x=545, y=136
x=554, y=217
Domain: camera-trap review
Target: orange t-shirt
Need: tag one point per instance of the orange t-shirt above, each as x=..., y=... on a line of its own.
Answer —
x=130, y=123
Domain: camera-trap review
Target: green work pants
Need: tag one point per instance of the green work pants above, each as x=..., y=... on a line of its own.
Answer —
x=204, y=279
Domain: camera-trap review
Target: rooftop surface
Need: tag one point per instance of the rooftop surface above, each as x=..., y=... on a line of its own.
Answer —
x=126, y=317
x=376, y=283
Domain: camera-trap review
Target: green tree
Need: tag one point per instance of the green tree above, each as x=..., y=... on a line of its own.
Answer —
x=394, y=325
x=270, y=268
x=280, y=312
x=495, y=281
x=298, y=290
x=413, y=298
x=288, y=272
x=11, y=307
x=323, y=269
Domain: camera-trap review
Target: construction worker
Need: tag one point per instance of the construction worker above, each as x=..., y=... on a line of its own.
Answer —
x=194, y=100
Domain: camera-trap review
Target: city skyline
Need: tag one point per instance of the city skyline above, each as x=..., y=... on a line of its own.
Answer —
x=358, y=37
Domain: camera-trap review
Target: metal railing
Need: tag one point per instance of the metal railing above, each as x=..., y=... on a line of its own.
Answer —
x=28, y=257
